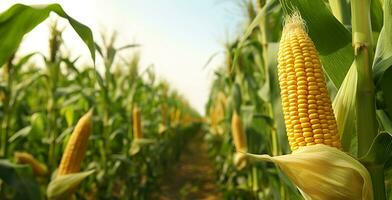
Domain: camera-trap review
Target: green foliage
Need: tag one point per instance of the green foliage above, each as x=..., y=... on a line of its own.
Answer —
x=380, y=151
x=20, y=178
x=61, y=187
x=21, y=19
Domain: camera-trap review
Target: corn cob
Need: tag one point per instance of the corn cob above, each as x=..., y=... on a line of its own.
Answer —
x=239, y=136
x=306, y=104
x=137, y=123
x=76, y=146
x=39, y=169
x=217, y=113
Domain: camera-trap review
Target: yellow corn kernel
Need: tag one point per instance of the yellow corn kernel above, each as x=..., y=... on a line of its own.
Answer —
x=39, y=169
x=137, y=123
x=307, y=99
x=238, y=132
x=76, y=147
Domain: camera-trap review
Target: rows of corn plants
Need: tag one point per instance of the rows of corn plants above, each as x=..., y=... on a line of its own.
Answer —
x=69, y=131
x=301, y=106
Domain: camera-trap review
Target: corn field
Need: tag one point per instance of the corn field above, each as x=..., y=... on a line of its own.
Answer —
x=299, y=108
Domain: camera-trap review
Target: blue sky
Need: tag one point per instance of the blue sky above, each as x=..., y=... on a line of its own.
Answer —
x=177, y=36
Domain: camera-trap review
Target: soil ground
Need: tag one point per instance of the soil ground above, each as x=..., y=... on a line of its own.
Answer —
x=192, y=178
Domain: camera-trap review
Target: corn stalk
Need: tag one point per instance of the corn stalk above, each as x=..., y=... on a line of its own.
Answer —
x=5, y=123
x=367, y=127
x=54, y=74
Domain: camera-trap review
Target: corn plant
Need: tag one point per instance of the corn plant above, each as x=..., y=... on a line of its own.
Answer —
x=359, y=99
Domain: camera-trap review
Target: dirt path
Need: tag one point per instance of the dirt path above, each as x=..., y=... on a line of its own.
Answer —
x=193, y=177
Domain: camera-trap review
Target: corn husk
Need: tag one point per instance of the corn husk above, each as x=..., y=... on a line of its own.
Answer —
x=137, y=123
x=240, y=141
x=344, y=107
x=62, y=187
x=321, y=172
x=240, y=160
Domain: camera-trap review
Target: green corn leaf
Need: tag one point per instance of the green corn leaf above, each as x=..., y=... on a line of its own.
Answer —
x=344, y=109
x=23, y=61
x=341, y=10
x=376, y=16
x=21, y=19
x=385, y=86
x=256, y=21
x=62, y=187
x=383, y=56
x=21, y=133
x=37, y=121
x=380, y=151
x=271, y=5
x=69, y=115
x=138, y=144
x=20, y=177
x=384, y=121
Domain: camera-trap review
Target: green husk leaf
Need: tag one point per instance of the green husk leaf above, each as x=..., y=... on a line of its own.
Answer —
x=62, y=187
x=240, y=160
x=344, y=109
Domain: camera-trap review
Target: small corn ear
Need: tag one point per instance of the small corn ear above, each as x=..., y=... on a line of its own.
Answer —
x=239, y=136
x=137, y=123
x=217, y=114
x=39, y=169
x=76, y=146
